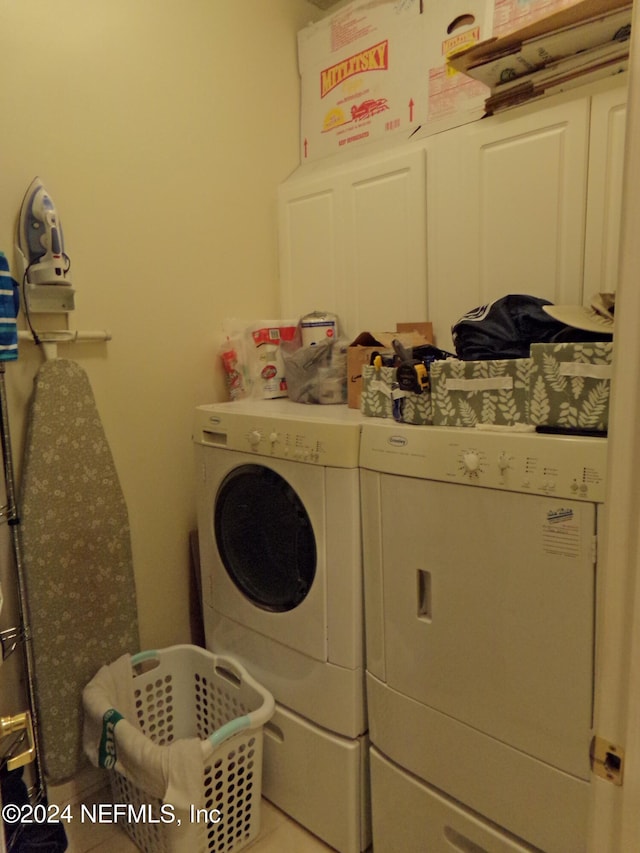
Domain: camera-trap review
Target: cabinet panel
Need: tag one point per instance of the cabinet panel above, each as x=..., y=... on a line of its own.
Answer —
x=386, y=253
x=310, y=265
x=522, y=196
x=606, y=162
x=353, y=241
x=509, y=201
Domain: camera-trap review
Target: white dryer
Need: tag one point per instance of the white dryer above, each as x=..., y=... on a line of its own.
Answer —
x=280, y=551
x=480, y=570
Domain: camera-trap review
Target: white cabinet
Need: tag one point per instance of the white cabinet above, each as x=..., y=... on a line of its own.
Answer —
x=353, y=241
x=527, y=201
x=507, y=210
x=604, y=206
x=310, y=231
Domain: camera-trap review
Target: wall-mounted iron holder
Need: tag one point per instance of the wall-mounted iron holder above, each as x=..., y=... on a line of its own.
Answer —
x=49, y=298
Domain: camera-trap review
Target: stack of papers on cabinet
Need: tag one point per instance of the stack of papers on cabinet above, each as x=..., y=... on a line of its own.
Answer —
x=577, y=45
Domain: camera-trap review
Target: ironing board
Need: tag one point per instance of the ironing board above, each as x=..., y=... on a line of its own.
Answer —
x=77, y=557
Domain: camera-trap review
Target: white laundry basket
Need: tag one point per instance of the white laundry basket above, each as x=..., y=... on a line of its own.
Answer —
x=188, y=692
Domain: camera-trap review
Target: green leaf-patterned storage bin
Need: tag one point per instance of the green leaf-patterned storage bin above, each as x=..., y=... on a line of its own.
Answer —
x=467, y=393
x=381, y=398
x=570, y=385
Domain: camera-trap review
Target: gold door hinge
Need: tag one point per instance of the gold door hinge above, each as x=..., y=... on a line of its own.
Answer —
x=19, y=723
x=607, y=760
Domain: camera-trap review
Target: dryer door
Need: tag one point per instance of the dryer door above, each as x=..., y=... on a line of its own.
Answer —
x=264, y=538
x=489, y=612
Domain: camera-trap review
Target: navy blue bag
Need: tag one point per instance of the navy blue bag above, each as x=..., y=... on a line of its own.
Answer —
x=507, y=327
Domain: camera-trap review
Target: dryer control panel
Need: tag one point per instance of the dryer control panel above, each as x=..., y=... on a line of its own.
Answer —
x=320, y=440
x=553, y=465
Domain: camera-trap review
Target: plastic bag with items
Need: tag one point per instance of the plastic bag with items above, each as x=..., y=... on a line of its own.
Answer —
x=317, y=373
x=252, y=359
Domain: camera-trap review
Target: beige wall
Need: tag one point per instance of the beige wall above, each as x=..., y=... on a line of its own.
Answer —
x=161, y=129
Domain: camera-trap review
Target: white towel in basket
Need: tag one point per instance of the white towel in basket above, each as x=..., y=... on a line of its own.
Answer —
x=173, y=772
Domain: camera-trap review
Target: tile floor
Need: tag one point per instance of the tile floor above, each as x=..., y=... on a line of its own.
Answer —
x=278, y=833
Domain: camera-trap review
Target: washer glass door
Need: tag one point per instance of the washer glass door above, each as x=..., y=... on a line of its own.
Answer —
x=265, y=538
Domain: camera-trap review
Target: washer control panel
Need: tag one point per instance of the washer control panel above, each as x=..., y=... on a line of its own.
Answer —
x=313, y=441
x=560, y=466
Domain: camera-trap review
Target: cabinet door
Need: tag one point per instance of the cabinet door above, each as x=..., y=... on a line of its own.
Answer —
x=604, y=206
x=311, y=229
x=386, y=249
x=353, y=241
x=507, y=200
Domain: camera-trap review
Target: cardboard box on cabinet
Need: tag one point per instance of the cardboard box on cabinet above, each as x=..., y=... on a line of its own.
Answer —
x=453, y=98
x=376, y=71
x=362, y=76
x=588, y=38
x=570, y=385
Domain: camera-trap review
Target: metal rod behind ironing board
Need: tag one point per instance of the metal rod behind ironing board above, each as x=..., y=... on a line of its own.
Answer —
x=14, y=522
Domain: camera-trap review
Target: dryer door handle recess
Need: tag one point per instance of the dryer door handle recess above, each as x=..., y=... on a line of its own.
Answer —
x=425, y=600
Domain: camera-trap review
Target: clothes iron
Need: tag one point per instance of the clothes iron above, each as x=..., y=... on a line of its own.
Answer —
x=40, y=253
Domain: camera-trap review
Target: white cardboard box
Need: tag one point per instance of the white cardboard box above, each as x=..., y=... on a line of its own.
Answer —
x=451, y=26
x=362, y=75
x=378, y=70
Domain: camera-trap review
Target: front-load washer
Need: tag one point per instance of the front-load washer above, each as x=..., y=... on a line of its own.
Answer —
x=280, y=551
x=479, y=552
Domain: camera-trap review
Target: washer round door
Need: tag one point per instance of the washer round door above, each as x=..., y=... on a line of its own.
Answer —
x=265, y=538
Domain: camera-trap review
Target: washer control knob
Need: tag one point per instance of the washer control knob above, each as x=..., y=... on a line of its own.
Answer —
x=471, y=461
x=254, y=438
x=504, y=462
x=273, y=437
